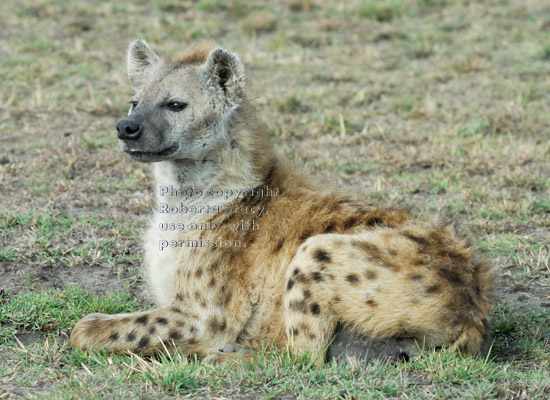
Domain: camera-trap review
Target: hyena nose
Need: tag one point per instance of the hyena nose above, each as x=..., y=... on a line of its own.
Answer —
x=128, y=129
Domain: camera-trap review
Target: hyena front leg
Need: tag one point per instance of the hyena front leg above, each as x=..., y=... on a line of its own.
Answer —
x=148, y=331
x=309, y=319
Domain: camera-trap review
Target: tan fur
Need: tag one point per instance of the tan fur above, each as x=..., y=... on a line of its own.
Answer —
x=319, y=259
x=195, y=54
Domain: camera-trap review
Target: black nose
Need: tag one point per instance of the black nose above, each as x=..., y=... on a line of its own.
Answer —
x=128, y=129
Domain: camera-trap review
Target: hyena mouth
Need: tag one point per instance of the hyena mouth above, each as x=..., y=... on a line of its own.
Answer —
x=151, y=155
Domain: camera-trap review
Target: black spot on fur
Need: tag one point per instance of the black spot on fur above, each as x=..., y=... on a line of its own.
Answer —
x=450, y=275
x=175, y=309
x=162, y=320
x=131, y=337
x=179, y=297
x=305, y=234
x=352, y=278
x=290, y=284
x=113, y=336
x=315, y=309
x=174, y=335
x=295, y=331
x=369, y=248
x=316, y=276
x=371, y=303
x=216, y=325
x=433, y=289
x=350, y=223
x=374, y=221
x=307, y=294
x=321, y=256
x=143, y=342
x=417, y=261
x=212, y=282
x=279, y=245
x=296, y=271
x=329, y=228
x=417, y=277
x=152, y=329
x=370, y=274
x=198, y=272
x=142, y=320
x=417, y=239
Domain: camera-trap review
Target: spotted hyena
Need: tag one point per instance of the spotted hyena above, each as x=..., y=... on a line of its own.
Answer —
x=244, y=251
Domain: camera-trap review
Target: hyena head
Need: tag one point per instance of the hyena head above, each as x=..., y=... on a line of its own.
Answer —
x=180, y=109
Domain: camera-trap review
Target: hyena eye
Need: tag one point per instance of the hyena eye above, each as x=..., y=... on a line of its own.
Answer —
x=134, y=104
x=176, y=106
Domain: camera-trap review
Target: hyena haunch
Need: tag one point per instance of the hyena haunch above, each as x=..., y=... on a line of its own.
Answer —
x=321, y=263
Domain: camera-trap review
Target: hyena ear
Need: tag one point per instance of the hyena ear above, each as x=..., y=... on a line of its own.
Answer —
x=141, y=62
x=227, y=70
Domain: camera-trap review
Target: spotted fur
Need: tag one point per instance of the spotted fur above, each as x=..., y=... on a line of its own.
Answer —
x=321, y=261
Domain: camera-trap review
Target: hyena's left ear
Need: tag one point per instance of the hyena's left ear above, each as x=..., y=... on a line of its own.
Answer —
x=227, y=70
x=141, y=62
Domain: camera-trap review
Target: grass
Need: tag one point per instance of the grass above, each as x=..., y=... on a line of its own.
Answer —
x=74, y=237
x=519, y=338
x=54, y=311
x=438, y=104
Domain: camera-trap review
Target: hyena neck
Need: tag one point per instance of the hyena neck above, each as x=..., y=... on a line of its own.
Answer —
x=243, y=160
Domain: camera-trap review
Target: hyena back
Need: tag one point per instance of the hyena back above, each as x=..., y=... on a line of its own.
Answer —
x=290, y=268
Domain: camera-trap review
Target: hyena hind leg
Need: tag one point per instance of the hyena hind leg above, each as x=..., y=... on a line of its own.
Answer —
x=419, y=281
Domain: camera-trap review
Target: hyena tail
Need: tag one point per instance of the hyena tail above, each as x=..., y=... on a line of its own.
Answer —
x=475, y=333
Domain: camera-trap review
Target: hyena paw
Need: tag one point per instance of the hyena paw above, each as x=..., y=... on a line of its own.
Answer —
x=231, y=348
x=86, y=331
x=228, y=355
